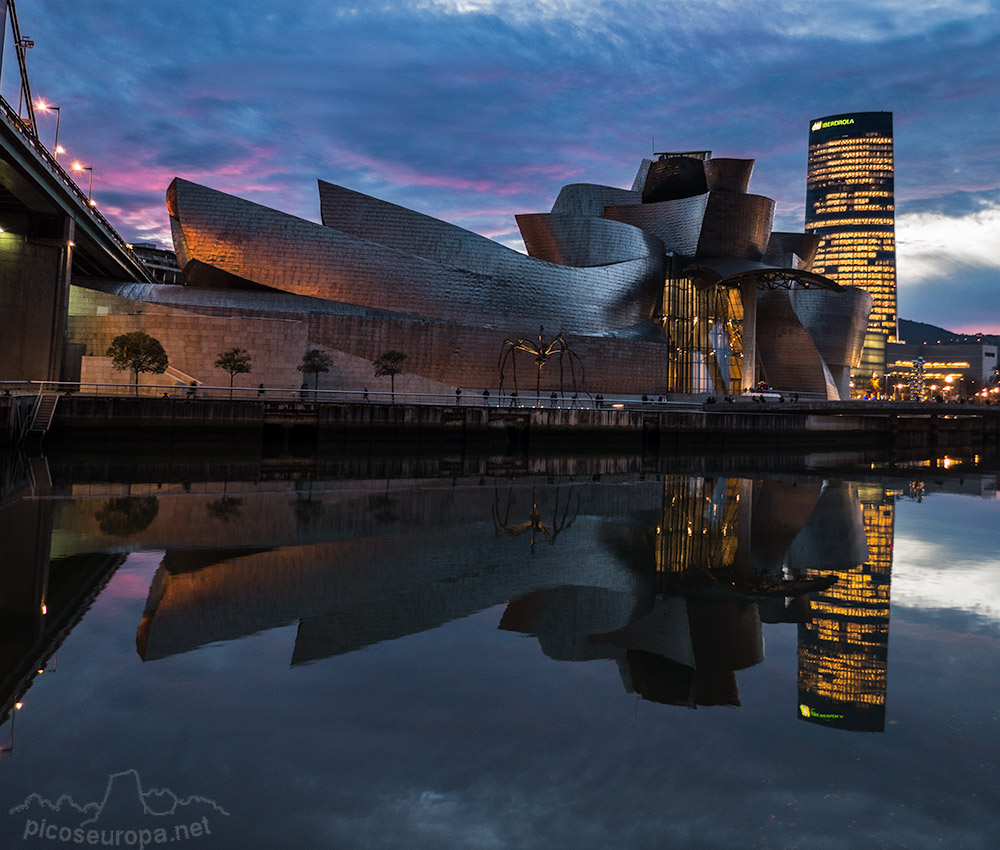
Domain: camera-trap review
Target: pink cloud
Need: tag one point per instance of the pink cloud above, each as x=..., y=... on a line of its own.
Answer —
x=989, y=327
x=130, y=583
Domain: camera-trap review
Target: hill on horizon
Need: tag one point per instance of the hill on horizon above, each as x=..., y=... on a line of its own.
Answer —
x=921, y=332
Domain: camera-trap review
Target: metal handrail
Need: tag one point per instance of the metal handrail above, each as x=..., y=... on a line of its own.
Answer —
x=32, y=141
x=468, y=397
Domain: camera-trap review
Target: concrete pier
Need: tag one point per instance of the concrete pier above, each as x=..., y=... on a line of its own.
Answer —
x=150, y=421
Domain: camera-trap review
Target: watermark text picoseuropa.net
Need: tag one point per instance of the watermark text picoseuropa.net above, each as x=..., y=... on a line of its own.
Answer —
x=140, y=838
x=127, y=814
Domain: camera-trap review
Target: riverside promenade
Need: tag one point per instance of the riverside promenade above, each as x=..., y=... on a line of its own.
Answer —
x=626, y=423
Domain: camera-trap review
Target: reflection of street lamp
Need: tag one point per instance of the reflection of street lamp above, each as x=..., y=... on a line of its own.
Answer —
x=45, y=107
x=76, y=166
x=14, y=710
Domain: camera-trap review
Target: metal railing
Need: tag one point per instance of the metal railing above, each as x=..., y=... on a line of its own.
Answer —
x=48, y=160
x=467, y=398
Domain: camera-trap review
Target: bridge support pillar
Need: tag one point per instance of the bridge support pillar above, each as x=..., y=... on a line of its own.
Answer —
x=35, y=276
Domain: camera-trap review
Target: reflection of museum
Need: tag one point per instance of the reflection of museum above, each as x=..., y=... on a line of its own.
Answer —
x=673, y=579
x=675, y=285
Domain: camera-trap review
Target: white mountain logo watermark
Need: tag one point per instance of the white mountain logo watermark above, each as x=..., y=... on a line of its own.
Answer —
x=127, y=815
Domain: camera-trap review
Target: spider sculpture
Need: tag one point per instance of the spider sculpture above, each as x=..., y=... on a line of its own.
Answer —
x=541, y=352
x=550, y=531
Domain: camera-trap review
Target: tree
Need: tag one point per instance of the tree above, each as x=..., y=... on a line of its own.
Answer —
x=313, y=362
x=126, y=516
x=389, y=363
x=235, y=361
x=225, y=509
x=139, y=352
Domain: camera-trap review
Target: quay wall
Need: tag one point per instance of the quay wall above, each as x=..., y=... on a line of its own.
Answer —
x=14, y=411
x=149, y=420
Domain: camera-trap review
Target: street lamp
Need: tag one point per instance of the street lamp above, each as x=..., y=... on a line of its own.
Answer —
x=76, y=166
x=46, y=107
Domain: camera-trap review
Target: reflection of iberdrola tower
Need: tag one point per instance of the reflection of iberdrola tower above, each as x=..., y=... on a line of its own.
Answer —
x=843, y=650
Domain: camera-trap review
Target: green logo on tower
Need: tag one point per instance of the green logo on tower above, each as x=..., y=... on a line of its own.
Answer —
x=839, y=122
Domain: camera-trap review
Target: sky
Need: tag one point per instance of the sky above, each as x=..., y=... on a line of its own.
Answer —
x=475, y=110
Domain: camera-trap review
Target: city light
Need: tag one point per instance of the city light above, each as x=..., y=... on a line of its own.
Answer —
x=42, y=106
x=79, y=168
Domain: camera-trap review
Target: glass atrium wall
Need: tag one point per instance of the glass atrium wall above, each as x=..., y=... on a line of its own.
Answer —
x=704, y=327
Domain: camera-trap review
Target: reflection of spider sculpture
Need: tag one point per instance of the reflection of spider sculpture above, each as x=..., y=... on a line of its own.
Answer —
x=541, y=352
x=502, y=525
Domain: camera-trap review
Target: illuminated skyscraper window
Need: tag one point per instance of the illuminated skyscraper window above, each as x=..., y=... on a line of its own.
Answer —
x=850, y=205
x=844, y=646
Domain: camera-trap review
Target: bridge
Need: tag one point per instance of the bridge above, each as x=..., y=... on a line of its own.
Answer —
x=51, y=234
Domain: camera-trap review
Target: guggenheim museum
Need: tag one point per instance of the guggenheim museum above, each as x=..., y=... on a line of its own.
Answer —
x=677, y=285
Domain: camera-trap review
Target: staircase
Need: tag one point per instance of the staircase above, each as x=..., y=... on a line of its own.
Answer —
x=41, y=420
x=181, y=378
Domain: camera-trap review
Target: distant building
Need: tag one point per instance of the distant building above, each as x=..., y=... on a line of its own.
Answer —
x=949, y=371
x=850, y=206
x=162, y=264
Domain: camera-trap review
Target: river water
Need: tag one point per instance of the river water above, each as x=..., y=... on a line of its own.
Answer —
x=498, y=653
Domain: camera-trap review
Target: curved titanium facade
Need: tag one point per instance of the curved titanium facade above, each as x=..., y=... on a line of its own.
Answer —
x=457, y=276
x=809, y=338
x=644, y=283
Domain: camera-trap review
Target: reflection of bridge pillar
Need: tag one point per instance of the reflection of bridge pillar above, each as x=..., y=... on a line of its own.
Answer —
x=35, y=273
x=749, y=292
x=26, y=532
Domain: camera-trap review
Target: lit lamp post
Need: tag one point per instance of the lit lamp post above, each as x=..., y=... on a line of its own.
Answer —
x=45, y=107
x=90, y=186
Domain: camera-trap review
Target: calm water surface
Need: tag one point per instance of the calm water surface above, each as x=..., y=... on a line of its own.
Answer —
x=568, y=655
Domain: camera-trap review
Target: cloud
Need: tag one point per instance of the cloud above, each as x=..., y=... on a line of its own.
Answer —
x=933, y=245
x=840, y=19
x=931, y=576
x=940, y=562
x=947, y=262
